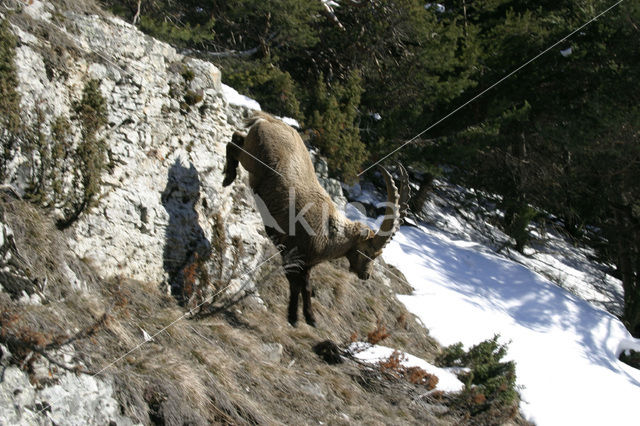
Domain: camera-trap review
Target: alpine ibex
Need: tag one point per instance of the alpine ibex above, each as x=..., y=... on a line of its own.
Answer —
x=301, y=216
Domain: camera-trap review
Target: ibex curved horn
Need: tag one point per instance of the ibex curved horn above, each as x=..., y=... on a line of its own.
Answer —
x=395, y=209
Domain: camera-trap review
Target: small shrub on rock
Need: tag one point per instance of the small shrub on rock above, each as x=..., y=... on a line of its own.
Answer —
x=90, y=157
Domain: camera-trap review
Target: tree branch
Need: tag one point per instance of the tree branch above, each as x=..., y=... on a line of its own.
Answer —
x=137, y=15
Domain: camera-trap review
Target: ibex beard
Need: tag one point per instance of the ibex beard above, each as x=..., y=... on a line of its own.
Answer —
x=298, y=214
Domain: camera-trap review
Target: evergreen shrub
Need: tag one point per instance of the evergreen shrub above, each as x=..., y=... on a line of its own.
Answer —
x=490, y=382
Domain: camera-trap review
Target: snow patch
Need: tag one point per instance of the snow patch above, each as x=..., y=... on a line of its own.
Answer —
x=290, y=121
x=566, y=52
x=373, y=354
x=234, y=98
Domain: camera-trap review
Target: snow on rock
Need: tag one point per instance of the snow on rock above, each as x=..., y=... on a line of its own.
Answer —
x=364, y=193
x=290, y=121
x=566, y=52
x=565, y=349
x=628, y=345
x=436, y=6
x=234, y=98
x=373, y=354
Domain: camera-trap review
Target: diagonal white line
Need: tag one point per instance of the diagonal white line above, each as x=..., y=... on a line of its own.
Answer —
x=256, y=158
x=490, y=87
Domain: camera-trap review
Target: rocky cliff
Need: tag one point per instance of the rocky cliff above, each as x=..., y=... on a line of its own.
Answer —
x=163, y=187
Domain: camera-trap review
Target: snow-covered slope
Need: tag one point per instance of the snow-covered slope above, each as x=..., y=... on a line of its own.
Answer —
x=566, y=348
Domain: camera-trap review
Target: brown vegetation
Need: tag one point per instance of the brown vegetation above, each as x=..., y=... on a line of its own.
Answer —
x=416, y=375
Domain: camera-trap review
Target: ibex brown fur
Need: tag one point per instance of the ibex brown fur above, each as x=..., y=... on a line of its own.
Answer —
x=302, y=218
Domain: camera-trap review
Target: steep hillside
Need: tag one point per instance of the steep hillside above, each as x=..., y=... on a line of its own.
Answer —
x=135, y=288
x=122, y=350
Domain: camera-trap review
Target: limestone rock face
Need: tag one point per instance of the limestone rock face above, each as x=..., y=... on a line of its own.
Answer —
x=162, y=189
x=74, y=400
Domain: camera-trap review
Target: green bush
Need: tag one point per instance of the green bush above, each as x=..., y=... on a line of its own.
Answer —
x=51, y=154
x=35, y=146
x=89, y=159
x=186, y=23
x=517, y=218
x=490, y=382
x=192, y=97
x=49, y=157
x=265, y=82
x=60, y=151
x=335, y=128
x=10, y=122
x=91, y=110
x=180, y=35
x=177, y=32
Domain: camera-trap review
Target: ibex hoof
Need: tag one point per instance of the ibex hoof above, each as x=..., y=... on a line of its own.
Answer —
x=228, y=179
x=311, y=322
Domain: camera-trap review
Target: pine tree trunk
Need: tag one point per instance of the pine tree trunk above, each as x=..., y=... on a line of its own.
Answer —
x=631, y=285
x=418, y=200
x=464, y=10
x=628, y=264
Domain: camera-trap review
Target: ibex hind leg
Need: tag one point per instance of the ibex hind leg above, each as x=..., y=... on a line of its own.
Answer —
x=294, y=296
x=233, y=153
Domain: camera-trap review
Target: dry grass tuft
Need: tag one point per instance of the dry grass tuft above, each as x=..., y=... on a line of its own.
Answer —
x=41, y=253
x=415, y=375
x=378, y=334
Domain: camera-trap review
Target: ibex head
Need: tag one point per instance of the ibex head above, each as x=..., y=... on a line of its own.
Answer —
x=370, y=244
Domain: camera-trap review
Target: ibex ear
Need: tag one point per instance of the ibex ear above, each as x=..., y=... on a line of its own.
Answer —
x=238, y=138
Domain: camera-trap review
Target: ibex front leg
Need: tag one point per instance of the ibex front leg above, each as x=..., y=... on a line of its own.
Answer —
x=299, y=283
x=234, y=149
